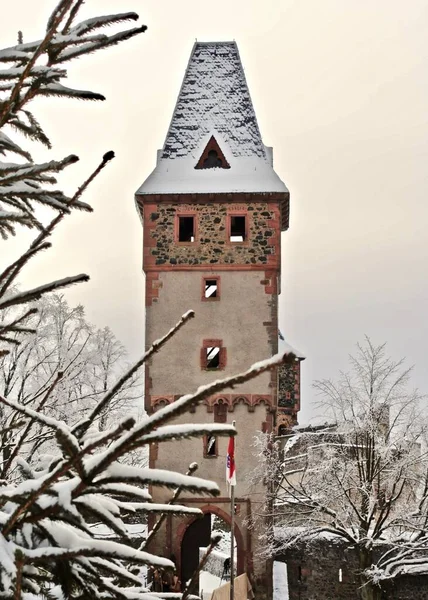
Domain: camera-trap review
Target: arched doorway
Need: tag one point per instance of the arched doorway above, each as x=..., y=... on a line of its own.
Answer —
x=196, y=536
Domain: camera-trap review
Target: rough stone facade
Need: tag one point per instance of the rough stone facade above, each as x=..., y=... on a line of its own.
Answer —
x=212, y=245
x=327, y=569
x=288, y=396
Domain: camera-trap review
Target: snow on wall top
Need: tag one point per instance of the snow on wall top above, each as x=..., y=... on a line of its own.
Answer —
x=214, y=101
x=214, y=96
x=284, y=346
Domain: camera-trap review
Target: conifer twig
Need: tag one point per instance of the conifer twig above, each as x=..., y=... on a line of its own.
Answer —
x=82, y=427
x=54, y=21
x=215, y=540
x=61, y=469
x=191, y=469
x=37, y=293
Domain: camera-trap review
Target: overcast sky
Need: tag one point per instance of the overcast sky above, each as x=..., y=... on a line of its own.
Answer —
x=340, y=89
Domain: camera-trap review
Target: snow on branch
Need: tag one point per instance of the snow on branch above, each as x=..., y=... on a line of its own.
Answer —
x=172, y=432
x=362, y=480
x=35, y=69
x=81, y=428
x=64, y=460
x=37, y=293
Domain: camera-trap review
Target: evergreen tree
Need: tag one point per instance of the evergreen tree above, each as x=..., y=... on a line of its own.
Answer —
x=48, y=548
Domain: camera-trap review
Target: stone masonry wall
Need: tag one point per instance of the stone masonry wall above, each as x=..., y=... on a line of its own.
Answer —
x=327, y=569
x=212, y=246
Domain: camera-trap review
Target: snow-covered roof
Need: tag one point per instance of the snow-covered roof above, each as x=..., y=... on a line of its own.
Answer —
x=214, y=100
x=214, y=96
x=283, y=346
x=179, y=176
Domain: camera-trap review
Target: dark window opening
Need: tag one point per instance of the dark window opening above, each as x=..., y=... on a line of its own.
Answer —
x=299, y=573
x=211, y=446
x=213, y=358
x=186, y=229
x=213, y=160
x=237, y=229
x=211, y=288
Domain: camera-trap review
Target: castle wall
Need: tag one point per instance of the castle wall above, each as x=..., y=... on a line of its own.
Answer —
x=327, y=569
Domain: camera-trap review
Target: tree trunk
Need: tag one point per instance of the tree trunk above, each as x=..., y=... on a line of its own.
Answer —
x=368, y=590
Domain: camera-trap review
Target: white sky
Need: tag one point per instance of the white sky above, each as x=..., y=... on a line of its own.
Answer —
x=340, y=88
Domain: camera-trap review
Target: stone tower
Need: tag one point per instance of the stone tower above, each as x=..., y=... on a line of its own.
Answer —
x=212, y=211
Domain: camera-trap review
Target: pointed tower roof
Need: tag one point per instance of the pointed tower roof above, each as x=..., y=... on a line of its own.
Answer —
x=214, y=102
x=214, y=96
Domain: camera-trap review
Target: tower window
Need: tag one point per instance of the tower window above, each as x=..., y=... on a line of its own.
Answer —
x=211, y=288
x=212, y=157
x=213, y=357
x=186, y=229
x=213, y=160
x=238, y=228
x=210, y=446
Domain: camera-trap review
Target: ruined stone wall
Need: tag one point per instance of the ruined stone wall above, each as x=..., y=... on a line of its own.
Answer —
x=327, y=569
x=407, y=588
x=314, y=572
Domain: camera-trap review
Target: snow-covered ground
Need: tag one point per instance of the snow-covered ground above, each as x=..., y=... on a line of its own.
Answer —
x=208, y=583
x=280, y=581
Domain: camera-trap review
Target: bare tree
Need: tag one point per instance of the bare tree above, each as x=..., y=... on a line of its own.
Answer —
x=88, y=361
x=364, y=478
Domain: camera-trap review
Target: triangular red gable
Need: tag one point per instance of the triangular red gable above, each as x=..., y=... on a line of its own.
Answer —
x=212, y=157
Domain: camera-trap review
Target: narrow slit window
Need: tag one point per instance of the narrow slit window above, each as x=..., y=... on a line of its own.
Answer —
x=186, y=229
x=211, y=288
x=213, y=357
x=211, y=446
x=340, y=576
x=238, y=228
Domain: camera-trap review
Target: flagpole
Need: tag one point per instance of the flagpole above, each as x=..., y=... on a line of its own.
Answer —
x=232, y=543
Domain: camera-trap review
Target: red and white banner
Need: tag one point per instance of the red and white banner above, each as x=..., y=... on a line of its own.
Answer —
x=230, y=462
